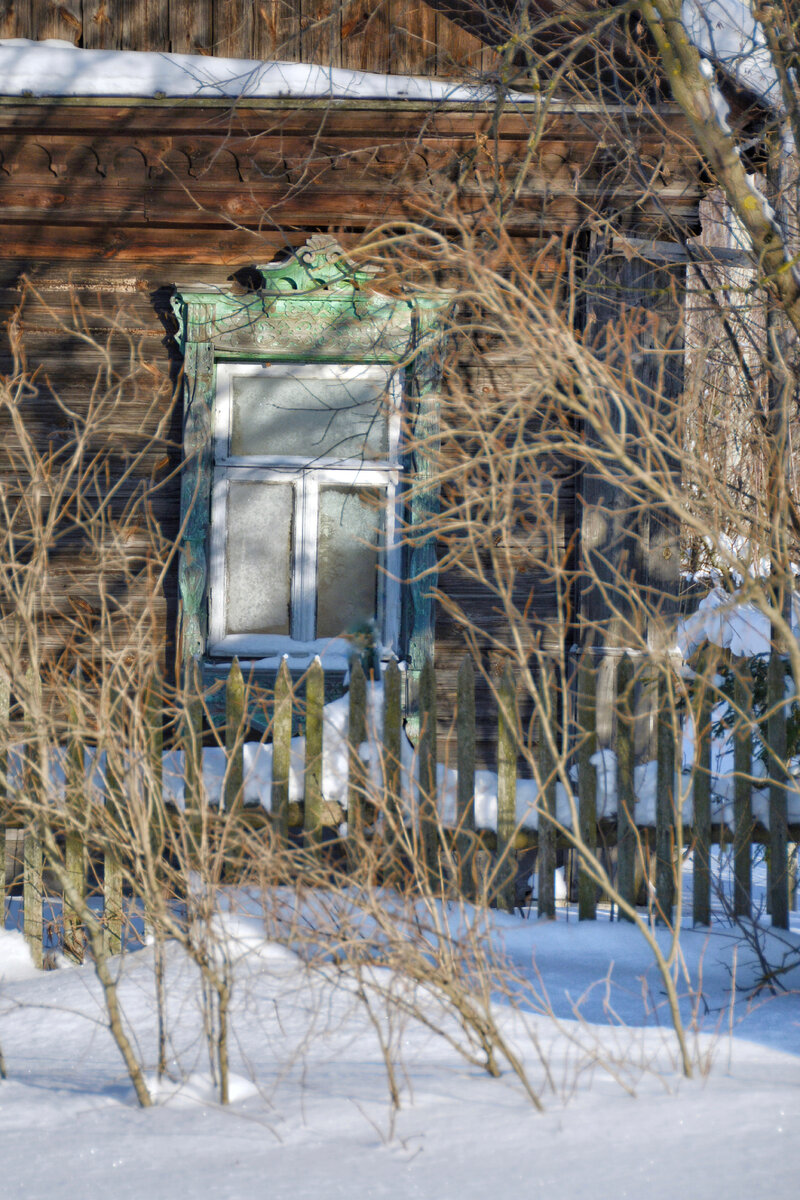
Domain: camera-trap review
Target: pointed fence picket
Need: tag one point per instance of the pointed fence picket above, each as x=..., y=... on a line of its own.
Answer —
x=586, y=738
x=465, y=764
x=779, y=860
x=626, y=800
x=701, y=791
x=464, y=860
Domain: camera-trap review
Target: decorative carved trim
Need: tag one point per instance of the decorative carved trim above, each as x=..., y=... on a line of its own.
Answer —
x=320, y=263
x=313, y=303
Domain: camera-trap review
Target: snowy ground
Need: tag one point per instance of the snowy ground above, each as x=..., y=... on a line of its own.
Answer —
x=310, y=1115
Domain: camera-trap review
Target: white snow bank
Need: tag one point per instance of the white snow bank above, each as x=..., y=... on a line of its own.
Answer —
x=198, y=1089
x=322, y=1126
x=725, y=620
x=239, y=935
x=54, y=68
x=15, y=957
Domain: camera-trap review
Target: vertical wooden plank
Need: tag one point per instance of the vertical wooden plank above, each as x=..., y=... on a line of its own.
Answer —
x=190, y=26
x=32, y=888
x=366, y=35
x=778, y=807
x=546, y=857
x=507, y=743
x=5, y=700
x=9, y=19
x=613, y=540
x=34, y=777
x=234, y=738
x=153, y=711
x=74, y=852
x=423, y=563
x=144, y=25
x=75, y=867
x=742, y=787
x=356, y=775
x=392, y=751
x=58, y=19
x=153, y=718
x=112, y=901
x=193, y=746
x=18, y=19
x=232, y=22
x=665, y=801
x=630, y=560
x=459, y=53
x=587, y=779
x=102, y=24
x=198, y=401
x=115, y=802
x=321, y=37
x=281, y=755
x=465, y=797
x=276, y=30
x=315, y=703
x=233, y=799
x=2, y=873
x=626, y=800
x=701, y=791
x=427, y=755
x=413, y=48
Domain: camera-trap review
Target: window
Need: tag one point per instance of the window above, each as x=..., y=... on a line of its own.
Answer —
x=304, y=508
x=292, y=477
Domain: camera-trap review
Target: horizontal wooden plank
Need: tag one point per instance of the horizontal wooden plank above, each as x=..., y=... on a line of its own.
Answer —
x=202, y=240
x=304, y=192
x=31, y=242
x=217, y=114
x=88, y=149
x=91, y=279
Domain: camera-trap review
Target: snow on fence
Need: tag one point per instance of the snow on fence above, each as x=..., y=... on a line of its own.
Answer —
x=354, y=773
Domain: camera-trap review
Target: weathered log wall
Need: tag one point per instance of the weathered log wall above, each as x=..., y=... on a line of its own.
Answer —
x=105, y=208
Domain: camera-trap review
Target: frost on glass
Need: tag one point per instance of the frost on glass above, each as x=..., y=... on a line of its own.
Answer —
x=349, y=531
x=258, y=557
x=309, y=418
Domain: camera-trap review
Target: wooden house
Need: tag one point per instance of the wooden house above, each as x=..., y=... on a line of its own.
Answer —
x=195, y=238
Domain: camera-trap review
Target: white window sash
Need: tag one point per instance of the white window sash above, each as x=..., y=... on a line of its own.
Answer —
x=226, y=372
x=306, y=478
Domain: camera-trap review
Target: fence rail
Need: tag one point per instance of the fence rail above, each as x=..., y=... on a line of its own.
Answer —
x=576, y=795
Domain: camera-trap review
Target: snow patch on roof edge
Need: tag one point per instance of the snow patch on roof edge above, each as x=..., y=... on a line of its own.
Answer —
x=56, y=68
x=728, y=33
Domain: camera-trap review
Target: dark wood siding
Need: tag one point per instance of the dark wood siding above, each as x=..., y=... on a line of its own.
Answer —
x=105, y=208
x=403, y=37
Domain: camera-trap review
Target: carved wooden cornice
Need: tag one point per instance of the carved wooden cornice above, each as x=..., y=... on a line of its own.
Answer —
x=314, y=302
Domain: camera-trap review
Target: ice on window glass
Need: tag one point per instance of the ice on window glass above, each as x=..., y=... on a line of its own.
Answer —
x=258, y=557
x=349, y=521
x=309, y=418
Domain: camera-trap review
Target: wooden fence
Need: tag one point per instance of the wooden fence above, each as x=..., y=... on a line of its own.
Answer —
x=568, y=817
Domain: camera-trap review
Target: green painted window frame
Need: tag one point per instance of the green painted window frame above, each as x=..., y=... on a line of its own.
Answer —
x=315, y=307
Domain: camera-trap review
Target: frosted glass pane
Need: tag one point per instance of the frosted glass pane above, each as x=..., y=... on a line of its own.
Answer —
x=349, y=529
x=309, y=418
x=258, y=557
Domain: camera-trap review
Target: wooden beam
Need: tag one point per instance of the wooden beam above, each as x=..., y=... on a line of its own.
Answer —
x=684, y=252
